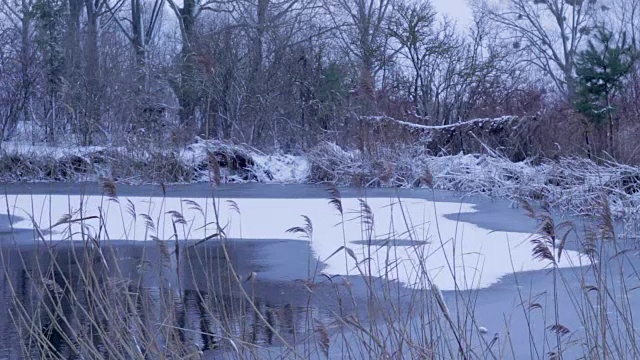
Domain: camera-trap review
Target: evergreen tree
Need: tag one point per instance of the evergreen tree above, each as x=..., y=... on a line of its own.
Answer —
x=600, y=70
x=49, y=17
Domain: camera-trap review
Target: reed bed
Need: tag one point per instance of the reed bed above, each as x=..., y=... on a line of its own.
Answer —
x=82, y=298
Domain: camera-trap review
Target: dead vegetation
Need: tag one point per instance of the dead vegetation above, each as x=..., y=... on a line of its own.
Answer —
x=130, y=165
x=172, y=299
x=571, y=185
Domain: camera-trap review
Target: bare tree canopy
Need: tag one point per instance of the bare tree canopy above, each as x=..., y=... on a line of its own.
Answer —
x=549, y=32
x=287, y=74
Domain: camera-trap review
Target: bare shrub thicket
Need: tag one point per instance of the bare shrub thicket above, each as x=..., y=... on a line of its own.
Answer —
x=136, y=165
x=569, y=184
x=287, y=76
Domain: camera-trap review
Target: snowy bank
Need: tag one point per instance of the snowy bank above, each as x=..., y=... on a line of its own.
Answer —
x=573, y=185
x=193, y=163
x=570, y=185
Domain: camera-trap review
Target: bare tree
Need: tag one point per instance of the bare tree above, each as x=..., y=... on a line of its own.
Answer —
x=18, y=15
x=145, y=21
x=276, y=32
x=449, y=72
x=93, y=80
x=548, y=31
x=186, y=83
x=412, y=26
x=362, y=33
x=625, y=15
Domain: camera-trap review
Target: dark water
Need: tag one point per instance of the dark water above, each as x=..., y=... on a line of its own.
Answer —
x=198, y=284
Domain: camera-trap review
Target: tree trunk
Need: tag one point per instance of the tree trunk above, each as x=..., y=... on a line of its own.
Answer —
x=612, y=151
x=587, y=139
x=25, y=64
x=256, y=75
x=225, y=121
x=570, y=81
x=92, y=74
x=187, y=95
x=187, y=90
x=73, y=35
x=137, y=29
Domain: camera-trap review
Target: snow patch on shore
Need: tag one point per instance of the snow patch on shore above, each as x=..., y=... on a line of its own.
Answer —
x=266, y=168
x=283, y=169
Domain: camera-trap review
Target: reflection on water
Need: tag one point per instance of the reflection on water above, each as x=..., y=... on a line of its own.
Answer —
x=144, y=295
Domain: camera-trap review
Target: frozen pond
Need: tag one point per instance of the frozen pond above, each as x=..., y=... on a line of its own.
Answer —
x=402, y=238
x=461, y=243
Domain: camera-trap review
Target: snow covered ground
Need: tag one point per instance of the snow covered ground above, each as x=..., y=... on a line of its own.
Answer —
x=40, y=150
x=267, y=168
x=570, y=185
x=284, y=169
x=20, y=161
x=409, y=237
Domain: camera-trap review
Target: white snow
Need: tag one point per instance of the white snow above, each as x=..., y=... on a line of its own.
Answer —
x=427, y=244
x=571, y=185
x=284, y=169
x=57, y=152
x=478, y=121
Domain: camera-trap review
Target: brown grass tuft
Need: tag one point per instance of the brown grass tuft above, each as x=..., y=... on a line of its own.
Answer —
x=605, y=219
x=109, y=188
x=541, y=250
x=559, y=329
x=214, y=168
x=427, y=177
x=306, y=230
x=322, y=336
x=335, y=198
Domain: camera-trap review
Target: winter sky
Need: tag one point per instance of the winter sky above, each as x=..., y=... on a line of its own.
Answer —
x=458, y=10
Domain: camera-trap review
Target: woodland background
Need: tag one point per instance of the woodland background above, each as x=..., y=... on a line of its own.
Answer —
x=287, y=75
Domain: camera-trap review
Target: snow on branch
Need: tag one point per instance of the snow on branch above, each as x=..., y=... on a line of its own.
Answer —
x=511, y=135
x=474, y=123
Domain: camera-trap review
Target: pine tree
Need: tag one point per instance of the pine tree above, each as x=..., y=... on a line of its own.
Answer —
x=49, y=15
x=49, y=26
x=600, y=70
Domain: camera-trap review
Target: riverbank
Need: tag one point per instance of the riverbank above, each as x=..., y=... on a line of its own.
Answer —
x=571, y=185
x=190, y=164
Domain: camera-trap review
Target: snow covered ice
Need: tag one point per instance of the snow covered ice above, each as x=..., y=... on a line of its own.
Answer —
x=405, y=242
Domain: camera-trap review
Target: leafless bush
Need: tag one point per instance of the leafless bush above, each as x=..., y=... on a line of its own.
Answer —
x=156, y=166
x=573, y=185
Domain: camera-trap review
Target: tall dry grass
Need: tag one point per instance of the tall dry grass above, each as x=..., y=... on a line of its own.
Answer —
x=86, y=298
